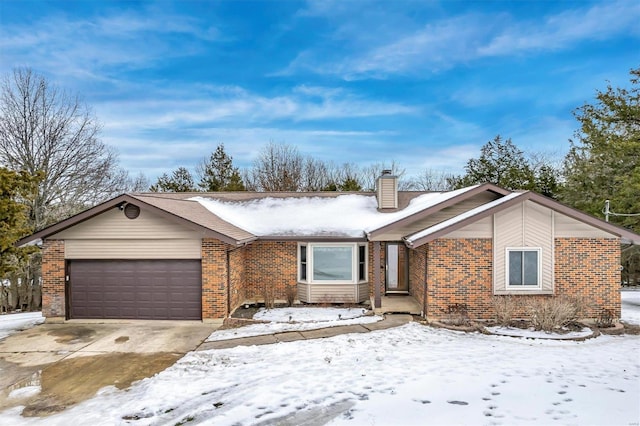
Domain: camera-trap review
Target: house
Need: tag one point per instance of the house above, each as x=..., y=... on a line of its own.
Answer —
x=198, y=256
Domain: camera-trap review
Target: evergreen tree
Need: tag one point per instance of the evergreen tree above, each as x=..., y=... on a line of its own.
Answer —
x=219, y=174
x=604, y=159
x=15, y=189
x=179, y=181
x=500, y=163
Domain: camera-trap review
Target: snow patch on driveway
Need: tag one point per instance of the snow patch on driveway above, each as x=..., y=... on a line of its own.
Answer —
x=11, y=323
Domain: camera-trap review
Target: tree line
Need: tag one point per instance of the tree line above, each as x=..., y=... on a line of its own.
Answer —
x=53, y=164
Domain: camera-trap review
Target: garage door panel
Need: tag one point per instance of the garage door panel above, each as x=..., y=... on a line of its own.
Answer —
x=143, y=289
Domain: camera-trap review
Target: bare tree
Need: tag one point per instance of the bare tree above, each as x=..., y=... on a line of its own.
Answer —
x=43, y=128
x=432, y=180
x=279, y=167
x=369, y=175
x=315, y=175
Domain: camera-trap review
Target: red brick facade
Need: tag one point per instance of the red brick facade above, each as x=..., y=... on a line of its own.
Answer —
x=458, y=271
x=271, y=266
x=214, y=278
x=590, y=268
x=53, y=279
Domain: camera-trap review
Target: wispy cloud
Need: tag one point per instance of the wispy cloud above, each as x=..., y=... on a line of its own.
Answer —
x=188, y=107
x=444, y=43
x=87, y=48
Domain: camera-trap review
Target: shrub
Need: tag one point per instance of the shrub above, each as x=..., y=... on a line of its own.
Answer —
x=457, y=314
x=268, y=296
x=553, y=313
x=605, y=318
x=291, y=294
x=505, y=308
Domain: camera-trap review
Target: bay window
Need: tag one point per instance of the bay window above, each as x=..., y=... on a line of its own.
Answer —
x=332, y=263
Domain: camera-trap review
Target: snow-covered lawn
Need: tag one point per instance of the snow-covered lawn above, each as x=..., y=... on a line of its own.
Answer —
x=296, y=319
x=407, y=375
x=631, y=306
x=402, y=376
x=10, y=323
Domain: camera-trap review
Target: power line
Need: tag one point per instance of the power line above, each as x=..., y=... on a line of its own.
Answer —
x=607, y=212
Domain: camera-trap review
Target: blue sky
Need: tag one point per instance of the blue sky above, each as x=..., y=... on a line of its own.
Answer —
x=424, y=83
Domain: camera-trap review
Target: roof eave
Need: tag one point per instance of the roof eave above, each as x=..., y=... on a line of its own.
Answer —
x=436, y=208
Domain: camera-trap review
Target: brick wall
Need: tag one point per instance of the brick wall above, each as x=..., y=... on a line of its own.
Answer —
x=214, y=278
x=589, y=267
x=238, y=276
x=272, y=265
x=53, y=279
x=460, y=271
x=417, y=258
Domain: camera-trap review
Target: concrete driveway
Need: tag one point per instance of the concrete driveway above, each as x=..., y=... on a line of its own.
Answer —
x=52, y=366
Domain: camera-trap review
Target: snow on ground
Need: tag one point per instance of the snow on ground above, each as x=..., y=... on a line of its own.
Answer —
x=407, y=375
x=10, y=323
x=296, y=319
x=631, y=306
x=530, y=333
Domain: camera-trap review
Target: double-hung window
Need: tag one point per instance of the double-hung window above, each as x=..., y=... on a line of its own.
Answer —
x=332, y=263
x=523, y=268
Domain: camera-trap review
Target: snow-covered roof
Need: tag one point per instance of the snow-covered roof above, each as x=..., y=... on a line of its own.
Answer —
x=461, y=217
x=345, y=215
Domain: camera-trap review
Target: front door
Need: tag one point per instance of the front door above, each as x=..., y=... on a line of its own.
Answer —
x=397, y=268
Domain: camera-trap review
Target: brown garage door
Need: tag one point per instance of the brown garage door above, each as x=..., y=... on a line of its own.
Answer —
x=137, y=289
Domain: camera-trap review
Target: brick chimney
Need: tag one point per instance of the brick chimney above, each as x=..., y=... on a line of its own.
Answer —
x=387, y=190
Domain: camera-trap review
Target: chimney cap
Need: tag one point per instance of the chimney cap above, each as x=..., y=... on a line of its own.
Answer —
x=386, y=172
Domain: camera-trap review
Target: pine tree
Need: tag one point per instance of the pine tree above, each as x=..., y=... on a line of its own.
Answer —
x=604, y=159
x=500, y=163
x=15, y=189
x=179, y=181
x=219, y=174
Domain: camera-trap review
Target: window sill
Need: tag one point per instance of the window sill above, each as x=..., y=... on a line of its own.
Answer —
x=522, y=292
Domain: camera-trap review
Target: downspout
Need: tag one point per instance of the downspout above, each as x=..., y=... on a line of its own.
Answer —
x=426, y=275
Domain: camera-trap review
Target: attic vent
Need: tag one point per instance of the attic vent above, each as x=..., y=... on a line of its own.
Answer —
x=131, y=211
x=387, y=191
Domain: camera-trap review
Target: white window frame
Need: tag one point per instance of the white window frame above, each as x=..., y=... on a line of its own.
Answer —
x=523, y=287
x=355, y=263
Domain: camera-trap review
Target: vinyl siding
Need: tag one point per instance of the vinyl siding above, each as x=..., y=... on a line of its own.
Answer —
x=567, y=227
x=113, y=224
x=444, y=214
x=111, y=235
x=132, y=249
x=524, y=225
x=483, y=228
x=333, y=293
x=387, y=193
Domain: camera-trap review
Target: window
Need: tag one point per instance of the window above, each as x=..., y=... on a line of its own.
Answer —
x=332, y=263
x=523, y=268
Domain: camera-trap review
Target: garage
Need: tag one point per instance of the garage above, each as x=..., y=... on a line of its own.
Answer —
x=135, y=289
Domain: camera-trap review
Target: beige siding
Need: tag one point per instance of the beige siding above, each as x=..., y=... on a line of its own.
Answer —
x=387, y=192
x=111, y=235
x=482, y=228
x=332, y=293
x=524, y=225
x=567, y=227
x=444, y=214
x=113, y=224
x=132, y=249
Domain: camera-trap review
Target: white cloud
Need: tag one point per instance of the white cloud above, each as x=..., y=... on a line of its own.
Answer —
x=444, y=43
x=79, y=47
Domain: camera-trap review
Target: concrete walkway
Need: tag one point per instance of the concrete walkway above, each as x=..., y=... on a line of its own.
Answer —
x=389, y=321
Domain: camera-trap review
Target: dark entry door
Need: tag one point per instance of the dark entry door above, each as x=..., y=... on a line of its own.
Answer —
x=135, y=289
x=397, y=268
